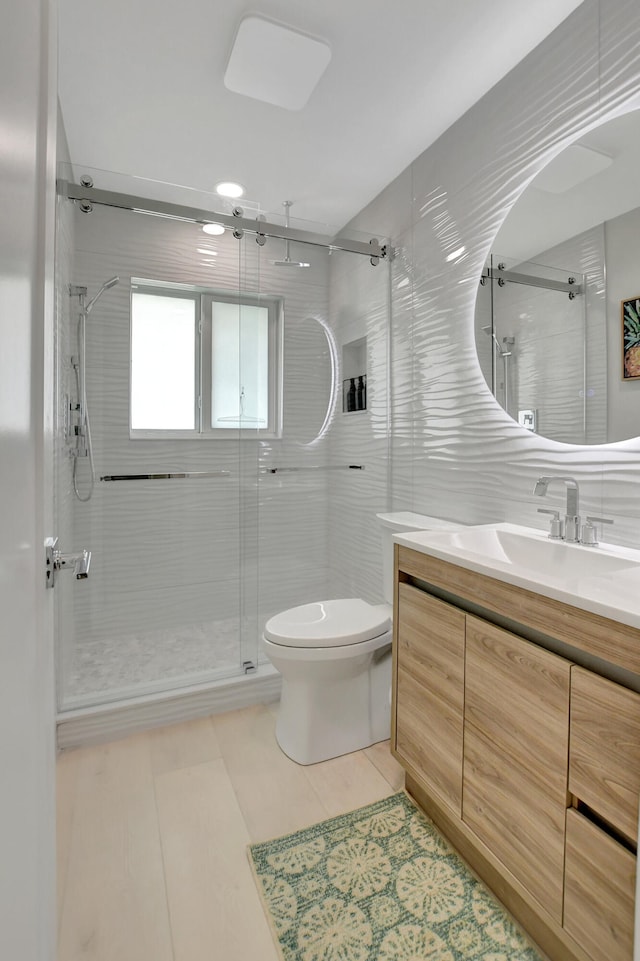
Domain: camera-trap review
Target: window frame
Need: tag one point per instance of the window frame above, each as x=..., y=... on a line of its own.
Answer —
x=204, y=298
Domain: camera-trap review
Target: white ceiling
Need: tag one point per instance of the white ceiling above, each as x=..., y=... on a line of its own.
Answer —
x=142, y=93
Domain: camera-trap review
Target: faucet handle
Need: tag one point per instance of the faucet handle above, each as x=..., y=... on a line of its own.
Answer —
x=557, y=525
x=589, y=533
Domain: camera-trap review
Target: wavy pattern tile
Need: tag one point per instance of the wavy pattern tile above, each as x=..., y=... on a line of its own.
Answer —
x=360, y=309
x=455, y=452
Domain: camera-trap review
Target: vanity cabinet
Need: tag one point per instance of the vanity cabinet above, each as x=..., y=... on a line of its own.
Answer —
x=430, y=691
x=527, y=760
x=516, y=734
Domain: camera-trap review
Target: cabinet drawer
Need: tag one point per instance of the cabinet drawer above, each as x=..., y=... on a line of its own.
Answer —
x=430, y=691
x=598, y=891
x=604, y=749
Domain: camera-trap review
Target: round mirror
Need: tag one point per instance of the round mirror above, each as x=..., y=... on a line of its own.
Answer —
x=557, y=322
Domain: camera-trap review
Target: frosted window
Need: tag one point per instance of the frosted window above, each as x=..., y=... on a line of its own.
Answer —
x=239, y=366
x=163, y=362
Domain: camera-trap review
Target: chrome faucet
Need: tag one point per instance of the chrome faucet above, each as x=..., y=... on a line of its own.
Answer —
x=572, y=517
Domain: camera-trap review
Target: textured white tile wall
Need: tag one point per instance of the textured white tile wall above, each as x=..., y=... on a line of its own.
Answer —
x=360, y=303
x=456, y=453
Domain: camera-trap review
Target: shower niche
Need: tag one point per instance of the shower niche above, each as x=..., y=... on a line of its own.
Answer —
x=354, y=379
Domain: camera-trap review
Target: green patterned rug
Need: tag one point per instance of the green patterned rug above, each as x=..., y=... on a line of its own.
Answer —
x=380, y=884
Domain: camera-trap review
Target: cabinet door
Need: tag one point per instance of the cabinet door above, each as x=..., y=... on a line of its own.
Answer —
x=430, y=692
x=515, y=756
x=604, y=750
x=599, y=891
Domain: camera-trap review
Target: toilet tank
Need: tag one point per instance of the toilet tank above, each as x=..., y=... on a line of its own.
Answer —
x=397, y=523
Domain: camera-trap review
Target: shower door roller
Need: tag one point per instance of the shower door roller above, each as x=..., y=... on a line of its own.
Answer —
x=56, y=561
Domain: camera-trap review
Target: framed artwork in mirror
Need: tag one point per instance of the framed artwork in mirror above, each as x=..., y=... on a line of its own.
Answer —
x=630, y=310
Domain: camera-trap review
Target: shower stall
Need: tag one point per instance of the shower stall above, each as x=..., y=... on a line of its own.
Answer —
x=203, y=456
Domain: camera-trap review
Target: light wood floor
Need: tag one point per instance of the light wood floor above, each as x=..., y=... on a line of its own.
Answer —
x=153, y=829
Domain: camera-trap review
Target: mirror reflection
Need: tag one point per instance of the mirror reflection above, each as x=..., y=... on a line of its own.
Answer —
x=548, y=325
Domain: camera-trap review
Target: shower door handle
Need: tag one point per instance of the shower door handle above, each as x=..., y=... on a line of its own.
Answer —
x=56, y=561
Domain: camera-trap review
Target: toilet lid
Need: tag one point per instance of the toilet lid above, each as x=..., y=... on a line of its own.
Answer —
x=328, y=623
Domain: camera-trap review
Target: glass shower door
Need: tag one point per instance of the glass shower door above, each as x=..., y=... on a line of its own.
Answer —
x=171, y=521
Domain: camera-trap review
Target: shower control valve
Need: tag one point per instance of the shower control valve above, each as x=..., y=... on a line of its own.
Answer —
x=56, y=561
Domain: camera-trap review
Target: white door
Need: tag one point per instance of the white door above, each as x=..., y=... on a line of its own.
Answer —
x=27, y=202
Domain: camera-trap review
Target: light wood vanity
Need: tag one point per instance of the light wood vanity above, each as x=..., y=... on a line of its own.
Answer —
x=521, y=747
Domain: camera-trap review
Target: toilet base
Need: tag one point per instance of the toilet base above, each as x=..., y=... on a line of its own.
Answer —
x=334, y=715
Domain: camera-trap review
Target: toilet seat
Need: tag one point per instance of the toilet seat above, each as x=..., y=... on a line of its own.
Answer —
x=329, y=624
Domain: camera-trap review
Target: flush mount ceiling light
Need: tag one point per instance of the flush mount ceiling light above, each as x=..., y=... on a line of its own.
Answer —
x=275, y=64
x=227, y=188
x=571, y=167
x=213, y=229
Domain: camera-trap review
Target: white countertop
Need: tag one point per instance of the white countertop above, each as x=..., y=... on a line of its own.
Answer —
x=604, y=580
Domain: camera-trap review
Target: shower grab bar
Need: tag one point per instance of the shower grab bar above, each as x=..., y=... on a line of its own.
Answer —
x=286, y=470
x=188, y=475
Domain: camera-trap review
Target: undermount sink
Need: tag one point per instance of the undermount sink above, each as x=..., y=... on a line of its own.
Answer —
x=604, y=579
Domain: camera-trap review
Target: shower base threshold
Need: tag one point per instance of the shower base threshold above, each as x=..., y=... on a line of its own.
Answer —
x=107, y=722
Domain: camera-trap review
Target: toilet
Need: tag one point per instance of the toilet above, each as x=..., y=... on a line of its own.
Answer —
x=335, y=661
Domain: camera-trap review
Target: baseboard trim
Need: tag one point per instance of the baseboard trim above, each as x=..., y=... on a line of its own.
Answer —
x=108, y=722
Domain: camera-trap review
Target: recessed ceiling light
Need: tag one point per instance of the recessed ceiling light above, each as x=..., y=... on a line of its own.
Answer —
x=227, y=188
x=213, y=229
x=275, y=64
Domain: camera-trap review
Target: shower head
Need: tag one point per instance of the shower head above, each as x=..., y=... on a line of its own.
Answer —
x=109, y=283
x=288, y=262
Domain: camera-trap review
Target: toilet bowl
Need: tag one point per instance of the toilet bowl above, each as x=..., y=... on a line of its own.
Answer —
x=335, y=661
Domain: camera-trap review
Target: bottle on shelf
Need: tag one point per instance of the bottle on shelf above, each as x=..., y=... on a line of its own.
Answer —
x=351, y=395
x=361, y=393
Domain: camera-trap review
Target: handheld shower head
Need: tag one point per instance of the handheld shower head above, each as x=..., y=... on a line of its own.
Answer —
x=288, y=262
x=107, y=284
